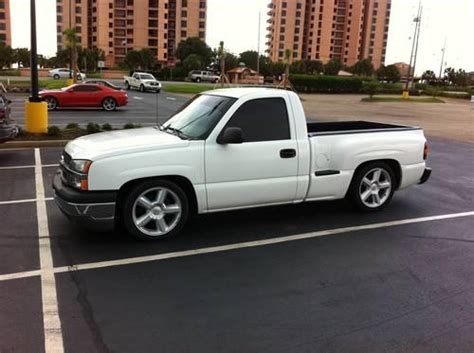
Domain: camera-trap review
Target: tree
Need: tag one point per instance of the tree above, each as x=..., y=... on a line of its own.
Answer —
x=363, y=67
x=72, y=43
x=147, y=59
x=192, y=62
x=22, y=57
x=371, y=88
x=195, y=46
x=461, y=78
x=429, y=76
x=231, y=61
x=250, y=58
x=332, y=67
x=132, y=60
x=450, y=75
x=61, y=59
x=388, y=73
x=314, y=67
x=6, y=55
x=90, y=57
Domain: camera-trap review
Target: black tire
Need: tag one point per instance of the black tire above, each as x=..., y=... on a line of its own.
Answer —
x=127, y=86
x=142, y=88
x=56, y=77
x=109, y=104
x=51, y=102
x=359, y=187
x=129, y=202
x=158, y=91
x=198, y=79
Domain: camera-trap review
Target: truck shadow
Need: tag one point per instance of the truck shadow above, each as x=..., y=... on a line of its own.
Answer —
x=74, y=245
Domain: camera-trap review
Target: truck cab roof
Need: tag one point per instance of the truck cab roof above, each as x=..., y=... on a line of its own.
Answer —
x=244, y=91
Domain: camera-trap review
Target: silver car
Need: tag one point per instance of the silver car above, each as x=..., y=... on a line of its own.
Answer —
x=64, y=73
x=203, y=76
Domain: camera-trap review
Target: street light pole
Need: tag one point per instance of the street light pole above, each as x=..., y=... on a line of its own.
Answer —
x=34, y=55
x=258, y=43
x=36, y=111
x=416, y=20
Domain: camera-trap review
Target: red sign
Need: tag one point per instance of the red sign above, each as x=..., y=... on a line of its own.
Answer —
x=171, y=63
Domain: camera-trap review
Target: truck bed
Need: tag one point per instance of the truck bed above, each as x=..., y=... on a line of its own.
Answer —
x=352, y=127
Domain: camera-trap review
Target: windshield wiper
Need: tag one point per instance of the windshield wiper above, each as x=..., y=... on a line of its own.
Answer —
x=176, y=132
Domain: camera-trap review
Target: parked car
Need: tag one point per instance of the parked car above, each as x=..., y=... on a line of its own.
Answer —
x=143, y=82
x=8, y=131
x=231, y=149
x=65, y=73
x=85, y=95
x=203, y=76
x=103, y=83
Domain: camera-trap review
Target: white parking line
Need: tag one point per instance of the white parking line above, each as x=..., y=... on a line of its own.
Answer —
x=243, y=245
x=171, y=98
x=138, y=98
x=53, y=338
x=12, y=202
x=28, y=166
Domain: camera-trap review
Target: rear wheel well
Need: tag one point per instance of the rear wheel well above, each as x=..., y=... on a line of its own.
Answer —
x=182, y=182
x=397, y=170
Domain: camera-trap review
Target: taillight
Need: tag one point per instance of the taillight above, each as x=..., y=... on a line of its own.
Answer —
x=426, y=151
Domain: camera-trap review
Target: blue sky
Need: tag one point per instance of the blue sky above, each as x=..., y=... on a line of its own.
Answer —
x=236, y=23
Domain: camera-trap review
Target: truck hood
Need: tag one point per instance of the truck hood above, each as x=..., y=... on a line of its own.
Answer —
x=108, y=144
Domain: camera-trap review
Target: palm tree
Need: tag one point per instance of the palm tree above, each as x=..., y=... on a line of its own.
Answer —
x=72, y=43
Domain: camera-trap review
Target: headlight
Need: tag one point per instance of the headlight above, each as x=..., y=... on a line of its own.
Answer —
x=80, y=165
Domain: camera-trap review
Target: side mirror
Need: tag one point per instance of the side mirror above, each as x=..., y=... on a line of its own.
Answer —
x=230, y=135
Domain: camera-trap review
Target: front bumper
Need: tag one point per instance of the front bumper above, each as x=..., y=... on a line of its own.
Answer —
x=8, y=132
x=426, y=175
x=91, y=209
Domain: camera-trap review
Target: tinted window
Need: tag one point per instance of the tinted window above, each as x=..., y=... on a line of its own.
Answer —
x=262, y=120
x=84, y=88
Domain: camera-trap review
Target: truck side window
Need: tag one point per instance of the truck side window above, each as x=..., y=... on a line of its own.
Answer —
x=263, y=119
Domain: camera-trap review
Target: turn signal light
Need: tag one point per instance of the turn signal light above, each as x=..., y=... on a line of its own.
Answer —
x=84, y=185
x=426, y=151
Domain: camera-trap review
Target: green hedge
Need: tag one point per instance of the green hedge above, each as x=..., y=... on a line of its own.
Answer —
x=326, y=84
x=12, y=72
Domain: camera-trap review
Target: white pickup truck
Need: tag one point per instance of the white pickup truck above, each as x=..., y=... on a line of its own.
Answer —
x=230, y=149
x=143, y=82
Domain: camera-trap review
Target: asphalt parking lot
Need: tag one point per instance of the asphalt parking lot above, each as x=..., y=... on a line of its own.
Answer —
x=143, y=108
x=316, y=277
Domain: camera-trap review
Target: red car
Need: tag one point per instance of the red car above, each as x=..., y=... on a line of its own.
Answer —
x=85, y=95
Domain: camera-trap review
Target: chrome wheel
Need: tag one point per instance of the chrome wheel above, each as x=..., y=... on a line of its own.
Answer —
x=51, y=102
x=156, y=211
x=375, y=187
x=109, y=104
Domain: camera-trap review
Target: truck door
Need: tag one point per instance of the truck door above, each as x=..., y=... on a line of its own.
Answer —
x=260, y=170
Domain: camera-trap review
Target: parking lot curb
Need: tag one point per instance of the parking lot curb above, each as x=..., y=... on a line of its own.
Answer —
x=33, y=144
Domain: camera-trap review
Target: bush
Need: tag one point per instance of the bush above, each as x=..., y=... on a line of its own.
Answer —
x=53, y=130
x=129, y=126
x=107, y=127
x=71, y=126
x=12, y=72
x=433, y=91
x=92, y=128
x=326, y=84
x=371, y=88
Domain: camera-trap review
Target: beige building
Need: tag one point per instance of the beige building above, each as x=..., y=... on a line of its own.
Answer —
x=348, y=30
x=5, y=26
x=119, y=26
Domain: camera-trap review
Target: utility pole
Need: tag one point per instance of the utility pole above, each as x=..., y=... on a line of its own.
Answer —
x=420, y=14
x=410, y=68
x=258, y=43
x=442, y=59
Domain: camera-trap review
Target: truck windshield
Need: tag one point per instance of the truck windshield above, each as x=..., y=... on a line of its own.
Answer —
x=199, y=116
x=147, y=77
